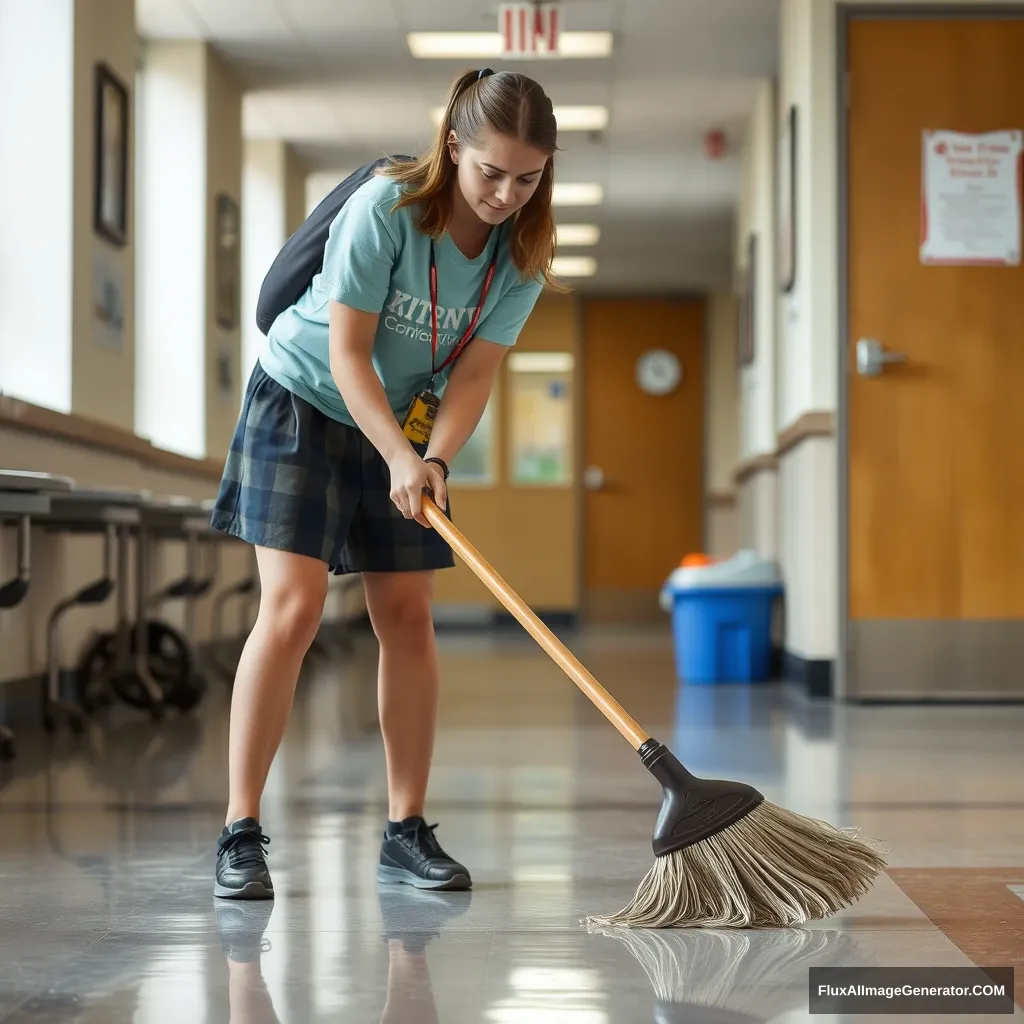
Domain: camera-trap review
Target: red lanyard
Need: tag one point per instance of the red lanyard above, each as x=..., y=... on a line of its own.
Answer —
x=468, y=336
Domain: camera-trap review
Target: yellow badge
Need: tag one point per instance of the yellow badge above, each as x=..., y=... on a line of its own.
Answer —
x=419, y=420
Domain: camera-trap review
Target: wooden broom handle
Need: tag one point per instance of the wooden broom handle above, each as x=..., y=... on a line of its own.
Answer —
x=604, y=702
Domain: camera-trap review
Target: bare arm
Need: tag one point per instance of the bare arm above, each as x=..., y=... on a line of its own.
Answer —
x=352, y=335
x=465, y=397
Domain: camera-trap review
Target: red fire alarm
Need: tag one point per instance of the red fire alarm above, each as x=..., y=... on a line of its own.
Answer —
x=714, y=144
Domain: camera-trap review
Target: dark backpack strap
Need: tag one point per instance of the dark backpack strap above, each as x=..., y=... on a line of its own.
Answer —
x=302, y=257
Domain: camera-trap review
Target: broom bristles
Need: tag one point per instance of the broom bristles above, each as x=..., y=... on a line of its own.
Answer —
x=773, y=868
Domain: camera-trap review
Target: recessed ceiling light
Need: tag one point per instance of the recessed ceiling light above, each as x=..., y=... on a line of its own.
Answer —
x=574, y=266
x=578, y=194
x=581, y=119
x=456, y=45
x=569, y=119
x=541, y=362
x=578, y=234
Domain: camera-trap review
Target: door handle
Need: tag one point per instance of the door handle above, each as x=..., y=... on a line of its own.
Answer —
x=872, y=357
x=593, y=478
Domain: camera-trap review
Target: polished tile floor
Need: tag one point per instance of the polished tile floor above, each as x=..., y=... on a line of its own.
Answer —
x=106, y=913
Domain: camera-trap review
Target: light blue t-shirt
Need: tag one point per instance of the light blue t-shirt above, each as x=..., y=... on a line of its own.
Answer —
x=377, y=261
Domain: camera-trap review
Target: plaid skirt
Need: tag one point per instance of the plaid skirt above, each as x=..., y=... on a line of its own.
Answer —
x=298, y=481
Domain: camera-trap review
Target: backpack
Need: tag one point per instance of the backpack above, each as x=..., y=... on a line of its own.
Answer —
x=302, y=257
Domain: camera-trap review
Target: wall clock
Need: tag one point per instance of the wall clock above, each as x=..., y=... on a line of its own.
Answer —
x=658, y=372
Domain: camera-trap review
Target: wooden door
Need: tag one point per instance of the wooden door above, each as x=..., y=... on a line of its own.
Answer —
x=646, y=512
x=936, y=501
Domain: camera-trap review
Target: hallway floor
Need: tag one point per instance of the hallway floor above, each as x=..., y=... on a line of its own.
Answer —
x=106, y=853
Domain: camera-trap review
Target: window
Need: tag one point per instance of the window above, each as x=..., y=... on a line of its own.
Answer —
x=475, y=464
x=542, y=413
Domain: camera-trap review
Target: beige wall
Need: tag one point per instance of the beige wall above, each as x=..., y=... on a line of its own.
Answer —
x=721, y=515
x=102, y=380
x=723, y=394
x=807, y=315
x=295, y=174
x=808, y=547
x=224, y=175
x=759, y=513
x=757, y=218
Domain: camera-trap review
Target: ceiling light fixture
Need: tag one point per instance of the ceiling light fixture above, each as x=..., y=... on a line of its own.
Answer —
x=541, y=362
x=461, y=45
x=581, y=119
x=569, y=119
x=577, y=234
x=574, y=266
x=578, y=194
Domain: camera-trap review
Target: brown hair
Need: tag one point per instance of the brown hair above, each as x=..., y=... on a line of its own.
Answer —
x=510, y=104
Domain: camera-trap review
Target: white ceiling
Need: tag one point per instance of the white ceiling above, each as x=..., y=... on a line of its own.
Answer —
x=336, y=80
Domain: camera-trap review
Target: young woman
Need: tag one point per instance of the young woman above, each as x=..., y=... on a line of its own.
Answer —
x=326, y=467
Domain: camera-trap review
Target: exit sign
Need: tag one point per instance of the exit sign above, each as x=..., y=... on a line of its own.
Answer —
x=529, y=30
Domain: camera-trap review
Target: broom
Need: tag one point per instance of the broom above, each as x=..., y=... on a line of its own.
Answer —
x=724, y=856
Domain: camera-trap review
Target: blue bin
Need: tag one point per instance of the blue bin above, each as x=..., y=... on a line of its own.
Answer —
x=723, y=634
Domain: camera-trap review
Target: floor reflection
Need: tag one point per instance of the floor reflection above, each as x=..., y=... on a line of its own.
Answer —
x=733, y=977
x=106, y=854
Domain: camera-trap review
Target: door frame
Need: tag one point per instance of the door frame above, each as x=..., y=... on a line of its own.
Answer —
x=580, y=461
x=846, y=14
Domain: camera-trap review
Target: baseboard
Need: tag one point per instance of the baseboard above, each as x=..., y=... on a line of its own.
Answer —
x=500, y=621
x=488, y=622
x=553, y=619
x=814, y=675
x=928, y=702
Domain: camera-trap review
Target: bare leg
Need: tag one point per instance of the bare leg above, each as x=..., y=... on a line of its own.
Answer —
x=407, y=683
x=293, y=589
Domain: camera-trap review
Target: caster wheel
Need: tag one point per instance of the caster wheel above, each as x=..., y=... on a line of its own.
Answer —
x=187, y=695
x=94, y=666
x=170, y=661
x=50, y=723
x=7, y=750
x=76, y=725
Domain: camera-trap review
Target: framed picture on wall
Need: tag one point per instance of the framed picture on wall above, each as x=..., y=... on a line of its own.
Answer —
x=110, y=143
x=786, y=228
x=227, y=262
x=746, y=327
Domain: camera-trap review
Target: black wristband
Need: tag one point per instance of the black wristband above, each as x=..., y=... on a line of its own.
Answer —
x=441, y=463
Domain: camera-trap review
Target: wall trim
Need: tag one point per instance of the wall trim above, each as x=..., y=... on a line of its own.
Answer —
x=488, y=621
x=720, y=499
x=748, y=468
x=35, y=419
x=817, y=423
x=814, y=676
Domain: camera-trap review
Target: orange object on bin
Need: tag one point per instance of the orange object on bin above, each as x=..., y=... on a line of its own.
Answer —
x=696, y=560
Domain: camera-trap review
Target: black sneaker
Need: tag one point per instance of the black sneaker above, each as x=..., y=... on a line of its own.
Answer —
x=414, y=857
x=242, y=872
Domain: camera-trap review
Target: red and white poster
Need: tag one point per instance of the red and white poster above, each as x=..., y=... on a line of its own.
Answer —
x=971, y=202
